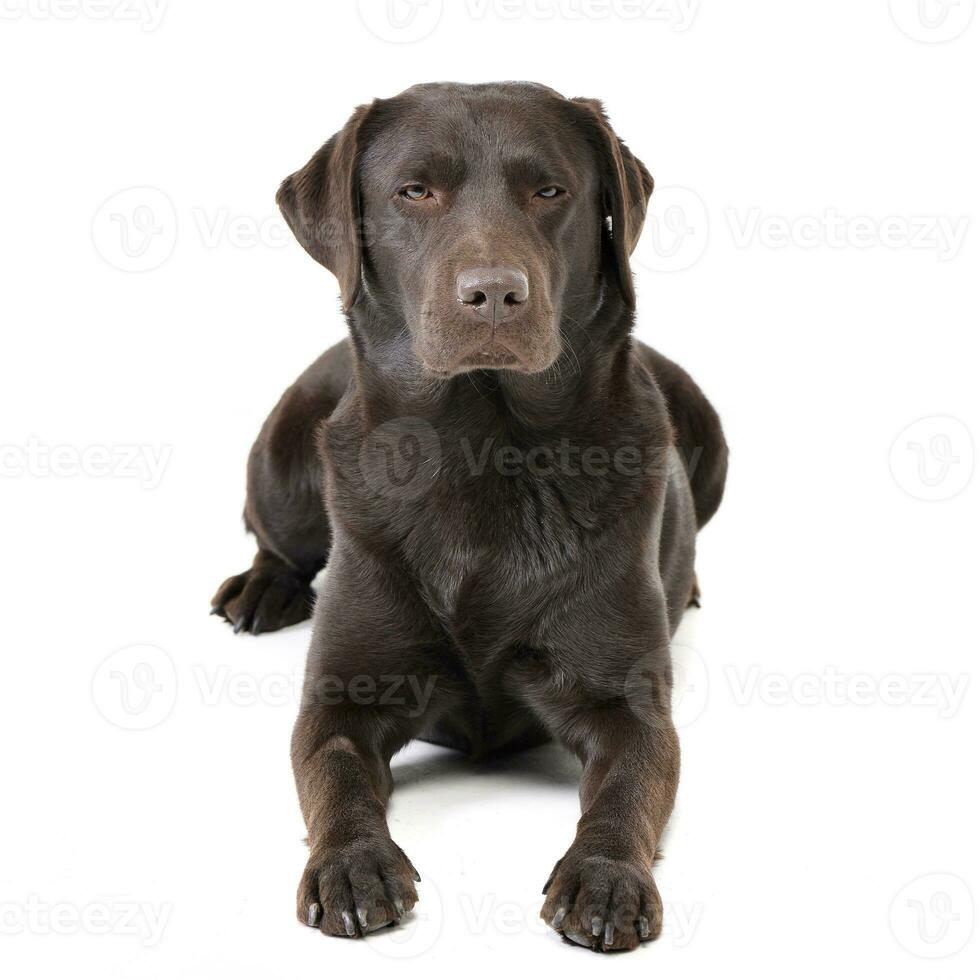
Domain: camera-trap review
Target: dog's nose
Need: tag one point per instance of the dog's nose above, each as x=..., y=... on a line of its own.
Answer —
x=492, y=293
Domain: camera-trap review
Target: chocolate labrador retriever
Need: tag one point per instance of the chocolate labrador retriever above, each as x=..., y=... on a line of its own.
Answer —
x=508, y=487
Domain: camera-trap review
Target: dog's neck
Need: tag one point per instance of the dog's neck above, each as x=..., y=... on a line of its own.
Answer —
x=391, y=382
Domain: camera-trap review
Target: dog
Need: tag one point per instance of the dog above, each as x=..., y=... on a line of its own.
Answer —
x=507, y=484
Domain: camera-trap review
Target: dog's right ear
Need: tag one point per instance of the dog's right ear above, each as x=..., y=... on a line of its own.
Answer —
x=321, y=206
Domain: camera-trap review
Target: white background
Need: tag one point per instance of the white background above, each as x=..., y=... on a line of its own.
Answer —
x=811, y=160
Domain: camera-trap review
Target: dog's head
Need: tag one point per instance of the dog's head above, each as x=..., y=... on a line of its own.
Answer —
x=485, y=217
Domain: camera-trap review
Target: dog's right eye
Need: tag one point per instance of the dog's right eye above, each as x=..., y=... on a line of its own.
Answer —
x=415, y=192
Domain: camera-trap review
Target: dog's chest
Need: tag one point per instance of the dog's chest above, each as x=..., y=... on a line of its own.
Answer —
x=491, y=555
x=495, y=532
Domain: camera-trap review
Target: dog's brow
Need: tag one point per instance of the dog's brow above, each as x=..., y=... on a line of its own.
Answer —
x=532, y=169
x=438, y=169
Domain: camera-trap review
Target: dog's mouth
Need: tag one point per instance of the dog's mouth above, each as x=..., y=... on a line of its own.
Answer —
x=448, y=345
x=490, y=356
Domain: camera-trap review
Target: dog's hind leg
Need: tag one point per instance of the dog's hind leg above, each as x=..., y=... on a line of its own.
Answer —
x=700, y=439
x=285, y=511
x=284, y=506
x=268, y=596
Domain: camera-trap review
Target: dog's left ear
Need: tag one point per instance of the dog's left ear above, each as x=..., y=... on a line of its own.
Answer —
x=627, y=186
x=321, y=206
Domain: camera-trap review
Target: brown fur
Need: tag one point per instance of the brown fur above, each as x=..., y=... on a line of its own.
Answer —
x=510, y=601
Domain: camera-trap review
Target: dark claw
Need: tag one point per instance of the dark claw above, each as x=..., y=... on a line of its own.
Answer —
x=577, y=937
x=239, y=624
x=362, y=918
x=348, y=923
x=314, y=915
x=551, y=878
x=596, y=925
x=559, y=917
x=216, y=610
x=399, y=907
x=608, y=938
x=644, y=924
x=416, y=875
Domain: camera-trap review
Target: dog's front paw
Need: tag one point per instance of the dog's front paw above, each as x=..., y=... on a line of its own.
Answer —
x=356, y=889
x=602, y=903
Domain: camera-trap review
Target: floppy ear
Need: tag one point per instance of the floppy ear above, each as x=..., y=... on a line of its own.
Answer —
x=321, y=206
x=627, y=186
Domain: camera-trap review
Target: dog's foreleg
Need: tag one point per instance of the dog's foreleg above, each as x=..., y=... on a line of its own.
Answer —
x=601, y=893
x=357, y=879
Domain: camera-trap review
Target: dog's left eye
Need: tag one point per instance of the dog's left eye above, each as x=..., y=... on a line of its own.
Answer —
x=549, y=192
x=415, y=192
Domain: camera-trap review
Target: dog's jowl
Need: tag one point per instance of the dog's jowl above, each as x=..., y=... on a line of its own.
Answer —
x=506, y=484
